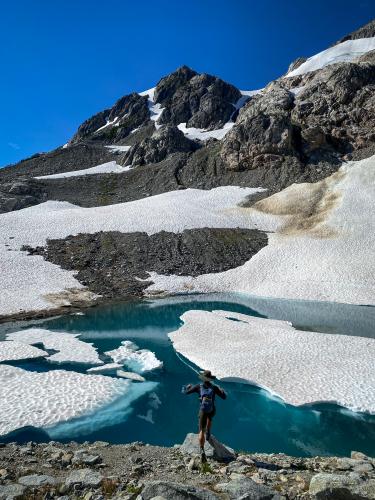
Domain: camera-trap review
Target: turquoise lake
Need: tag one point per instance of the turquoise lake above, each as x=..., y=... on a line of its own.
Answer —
x=250, y=419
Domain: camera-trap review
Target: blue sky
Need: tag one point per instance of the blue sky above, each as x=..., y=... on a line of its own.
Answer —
x=63, y=61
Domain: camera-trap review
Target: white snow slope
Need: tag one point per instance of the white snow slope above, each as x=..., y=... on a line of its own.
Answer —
x=322, y=249
x=300, y=367
x=110, y=167
x=343, y=52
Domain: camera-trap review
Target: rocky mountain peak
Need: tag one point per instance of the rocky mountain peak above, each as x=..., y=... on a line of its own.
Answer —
x=366, y=31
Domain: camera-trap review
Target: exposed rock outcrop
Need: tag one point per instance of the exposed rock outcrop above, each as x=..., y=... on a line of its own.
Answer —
x=111, y=263
x=199, y=100
x=162, y=143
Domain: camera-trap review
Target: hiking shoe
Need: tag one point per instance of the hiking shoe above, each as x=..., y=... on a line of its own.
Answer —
x=203, y=457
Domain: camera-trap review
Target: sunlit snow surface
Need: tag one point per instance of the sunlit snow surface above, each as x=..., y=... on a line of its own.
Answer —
x=15, y=351
x=325, y=253
x=70, y=348
x=155, y=108
x=49, y=398
x=300, y=367
x=138, y=360
x=110, y=167
x=343, y=52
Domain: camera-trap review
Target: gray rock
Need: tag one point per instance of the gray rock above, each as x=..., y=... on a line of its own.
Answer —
x=82, y=457
x=246, y=489
x=85, y=478
x=36, y=480
x=175, y=491
x=162, y=143
x=341, y=486
x=358, y=455
x=213, y=449
x=12, y=491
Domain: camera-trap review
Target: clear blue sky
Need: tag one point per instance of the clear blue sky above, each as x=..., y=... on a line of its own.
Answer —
x=64, y=60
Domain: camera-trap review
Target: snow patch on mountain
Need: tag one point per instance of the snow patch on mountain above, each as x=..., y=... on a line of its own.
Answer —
x=343, y=52
x=110, y=167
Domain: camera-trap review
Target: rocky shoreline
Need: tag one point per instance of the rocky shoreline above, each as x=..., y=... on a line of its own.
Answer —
x=98, y=470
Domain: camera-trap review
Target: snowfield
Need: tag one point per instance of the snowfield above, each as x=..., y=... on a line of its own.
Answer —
x=110, y=167
x=46, y=399
x=298, y=366
x=343, y=52
x=322, y=247
x=45, y=285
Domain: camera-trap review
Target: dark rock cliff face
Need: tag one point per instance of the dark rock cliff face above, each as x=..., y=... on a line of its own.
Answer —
x=201, y=101
x=129, y=112
x=366, y=31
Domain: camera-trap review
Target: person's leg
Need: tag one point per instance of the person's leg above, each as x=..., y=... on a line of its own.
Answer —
x=202, y=430
x=208, y=428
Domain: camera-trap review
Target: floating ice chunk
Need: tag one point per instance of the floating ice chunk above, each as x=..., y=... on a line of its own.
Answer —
x=343, y=52
x=139, y=361
x=13, y=351
x=45, y=399
x=70, y=348
x=300, y=367
x=110, y=167
x=148, y=417
x=130, y=375
x=143, y=361
x=122, y=353
x=108, y=369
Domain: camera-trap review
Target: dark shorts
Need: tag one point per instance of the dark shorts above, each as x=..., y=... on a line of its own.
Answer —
x=203, y=417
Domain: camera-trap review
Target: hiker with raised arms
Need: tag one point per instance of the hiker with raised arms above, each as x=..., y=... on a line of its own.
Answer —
x=207, y=392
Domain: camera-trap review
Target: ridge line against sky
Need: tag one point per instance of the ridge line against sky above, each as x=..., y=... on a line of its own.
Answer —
x=65, y=61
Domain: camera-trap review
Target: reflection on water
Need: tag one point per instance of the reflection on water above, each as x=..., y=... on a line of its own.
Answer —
x=250, y=419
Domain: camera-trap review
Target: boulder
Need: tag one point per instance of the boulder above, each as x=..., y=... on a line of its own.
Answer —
x=175, y=491
x=246, y=489
x=12, y=491
x=213, y=449
x=86, y=478
x=341, y=486
x=37, y=480
x=163, y=142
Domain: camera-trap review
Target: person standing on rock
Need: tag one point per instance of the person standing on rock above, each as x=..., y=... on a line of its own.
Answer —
x=207, y=392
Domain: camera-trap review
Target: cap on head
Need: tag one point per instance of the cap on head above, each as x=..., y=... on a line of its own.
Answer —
x=206, y=376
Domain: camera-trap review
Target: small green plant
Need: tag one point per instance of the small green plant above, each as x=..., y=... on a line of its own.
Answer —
x=133, y=489
x=206, y=468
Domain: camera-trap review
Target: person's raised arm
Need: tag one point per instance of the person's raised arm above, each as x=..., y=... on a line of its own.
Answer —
x=190, y=389
x=220, y=392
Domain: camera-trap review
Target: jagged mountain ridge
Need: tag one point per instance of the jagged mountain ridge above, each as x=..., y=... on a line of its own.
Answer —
x=197, y=131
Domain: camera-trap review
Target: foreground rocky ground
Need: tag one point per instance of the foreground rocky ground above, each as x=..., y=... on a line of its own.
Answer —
x=143, y=472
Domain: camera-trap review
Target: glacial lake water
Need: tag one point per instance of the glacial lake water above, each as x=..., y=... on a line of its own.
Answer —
x=250, y=419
